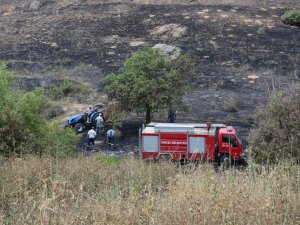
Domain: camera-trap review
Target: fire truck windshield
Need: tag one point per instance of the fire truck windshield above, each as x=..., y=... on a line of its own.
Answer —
x=231, y=139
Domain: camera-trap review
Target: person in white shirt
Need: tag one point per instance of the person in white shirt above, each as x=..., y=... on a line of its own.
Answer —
x=91, y=136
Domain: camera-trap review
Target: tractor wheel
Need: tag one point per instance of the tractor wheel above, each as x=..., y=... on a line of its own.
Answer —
x=225, y=162
x=79, y=128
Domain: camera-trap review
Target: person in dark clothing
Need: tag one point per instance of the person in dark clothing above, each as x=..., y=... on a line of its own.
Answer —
x=171, y=116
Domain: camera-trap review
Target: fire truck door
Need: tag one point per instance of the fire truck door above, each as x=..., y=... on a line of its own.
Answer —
x=229, y=144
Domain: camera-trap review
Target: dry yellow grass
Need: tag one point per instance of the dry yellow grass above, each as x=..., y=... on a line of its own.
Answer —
x=90, y=191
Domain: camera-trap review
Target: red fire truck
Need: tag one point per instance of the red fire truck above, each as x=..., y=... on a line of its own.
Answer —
x=191, y=142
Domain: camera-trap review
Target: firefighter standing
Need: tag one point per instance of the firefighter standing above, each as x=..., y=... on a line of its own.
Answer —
x=171, y=116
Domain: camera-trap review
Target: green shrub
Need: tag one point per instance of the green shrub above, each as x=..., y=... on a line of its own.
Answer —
x=115, y=115
x=59, y=141
x=16, y=139
x=6, y=81
x=260, y=31
x=67, y=89
x=277, y=134
x=53, y=111
x=291, y=17
x=107, y=160
x=30, y=106
x=23, y=125
x=233, y=105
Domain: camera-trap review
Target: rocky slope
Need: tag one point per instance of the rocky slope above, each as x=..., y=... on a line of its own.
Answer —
x=242, y=49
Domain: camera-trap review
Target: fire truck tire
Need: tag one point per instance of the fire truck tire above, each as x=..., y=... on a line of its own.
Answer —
x=225, y=162
x=165, y=158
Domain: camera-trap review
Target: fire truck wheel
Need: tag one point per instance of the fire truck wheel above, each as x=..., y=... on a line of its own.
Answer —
x=165, y=158
x=225, y=162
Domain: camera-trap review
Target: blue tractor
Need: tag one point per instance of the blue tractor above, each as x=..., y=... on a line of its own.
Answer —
x=80, y=122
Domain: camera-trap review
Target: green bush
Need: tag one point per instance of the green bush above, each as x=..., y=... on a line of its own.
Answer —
x=30, y=105
x=59, y=141
x=67, y=89
x=277, y=134
x=23, y=126
x=16, y=139
x=6, y=81
x=107, y=160
x=115, y=115
x=291, y=17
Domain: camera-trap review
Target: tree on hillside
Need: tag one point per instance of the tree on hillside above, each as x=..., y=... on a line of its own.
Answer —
x=149, y=81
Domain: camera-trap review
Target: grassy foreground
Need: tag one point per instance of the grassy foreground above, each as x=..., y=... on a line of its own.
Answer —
x=105, y=191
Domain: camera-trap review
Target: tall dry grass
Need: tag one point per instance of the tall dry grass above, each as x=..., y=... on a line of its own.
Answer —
x=89, y=191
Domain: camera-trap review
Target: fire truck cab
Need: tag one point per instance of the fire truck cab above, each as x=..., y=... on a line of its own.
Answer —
x=190, y=142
